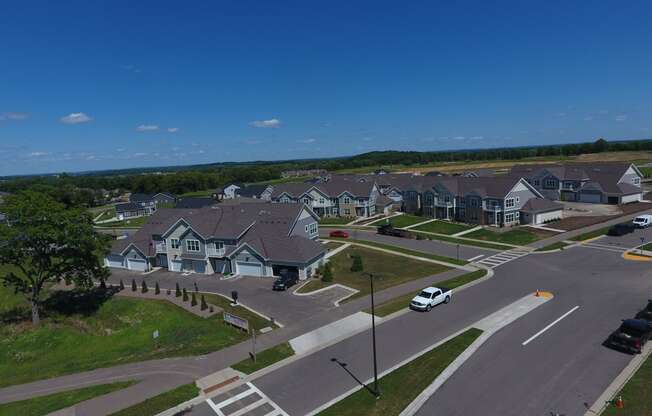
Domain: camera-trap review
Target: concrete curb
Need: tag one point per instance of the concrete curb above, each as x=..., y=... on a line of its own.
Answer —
x=619, y=382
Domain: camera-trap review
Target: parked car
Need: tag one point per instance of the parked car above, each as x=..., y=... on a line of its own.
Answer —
x=388, y=229
x=285, y=280
x=643, y=221
x=631, y=336
x=646, y=314
x=429, y=297
x=621, y=229
x=339, y=234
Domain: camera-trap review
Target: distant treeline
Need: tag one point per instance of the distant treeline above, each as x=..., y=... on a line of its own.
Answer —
x=203, y=177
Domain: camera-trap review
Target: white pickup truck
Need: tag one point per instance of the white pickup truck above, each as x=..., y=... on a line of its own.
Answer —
x=429, y=297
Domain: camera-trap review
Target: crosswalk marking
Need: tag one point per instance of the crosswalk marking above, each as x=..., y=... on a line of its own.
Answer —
x=503, y=257
x=250, y=392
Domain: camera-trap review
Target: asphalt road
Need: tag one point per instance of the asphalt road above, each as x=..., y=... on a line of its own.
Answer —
x=559, y=371
x=429, y=246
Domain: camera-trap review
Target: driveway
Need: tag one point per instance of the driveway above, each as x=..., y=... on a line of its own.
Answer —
x=428, y=246
x=254, y=292
x=580, y=209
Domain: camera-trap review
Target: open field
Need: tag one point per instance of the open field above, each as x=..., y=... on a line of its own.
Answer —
x=404, y=384
x=517, y=236
x=401, y=221
x=44, y=405
x=82, y=331
x=443, y=227
x=388, y=270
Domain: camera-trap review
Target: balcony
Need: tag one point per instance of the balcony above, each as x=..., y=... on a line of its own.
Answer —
x=161, y=248
x=215, y=252
x=493, y=207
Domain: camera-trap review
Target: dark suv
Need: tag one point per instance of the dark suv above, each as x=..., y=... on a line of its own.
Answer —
x=285, y=280
x=631, y=336
x=621, y=229
x=388, y=229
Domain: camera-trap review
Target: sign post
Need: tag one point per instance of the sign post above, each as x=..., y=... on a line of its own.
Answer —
x=155, y=336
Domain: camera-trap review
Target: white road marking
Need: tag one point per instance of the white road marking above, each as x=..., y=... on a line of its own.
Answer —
x=214, y=407
x=476, y=257
x=549, y=326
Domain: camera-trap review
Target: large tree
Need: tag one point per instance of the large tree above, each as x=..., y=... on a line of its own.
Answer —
x=46, y=242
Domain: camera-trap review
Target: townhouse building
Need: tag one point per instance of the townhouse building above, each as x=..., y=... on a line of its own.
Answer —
x=253, y=239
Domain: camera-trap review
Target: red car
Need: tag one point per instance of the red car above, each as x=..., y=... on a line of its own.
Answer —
x=339, y=234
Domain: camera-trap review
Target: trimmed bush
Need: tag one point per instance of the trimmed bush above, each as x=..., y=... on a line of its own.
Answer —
x=185, y=295
x=144, y=288
x=357, y=264
x=122, y=285
x=193, y=300
x=157, y=289
x=133, y=285
x=177, y=292
x=203, y=306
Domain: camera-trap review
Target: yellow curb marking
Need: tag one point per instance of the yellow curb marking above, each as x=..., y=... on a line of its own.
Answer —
x=547, y=295
x=636, y=257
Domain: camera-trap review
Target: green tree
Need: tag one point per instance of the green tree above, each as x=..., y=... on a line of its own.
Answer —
x=157, y=289
x=177, y=290
x=144, y=287
x=185, y=295
x=122, y=285
x=328, y=273
x=48, y=243
x=193, y=301
x=357, y=264
x=203, y=306
x=133, y=285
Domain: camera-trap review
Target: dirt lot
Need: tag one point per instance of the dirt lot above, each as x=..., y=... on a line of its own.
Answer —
x=573, y=223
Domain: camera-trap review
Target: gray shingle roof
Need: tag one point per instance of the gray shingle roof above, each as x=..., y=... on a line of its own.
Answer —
x=541, y=205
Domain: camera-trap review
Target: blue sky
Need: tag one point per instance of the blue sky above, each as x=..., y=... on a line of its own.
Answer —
x=100, y=85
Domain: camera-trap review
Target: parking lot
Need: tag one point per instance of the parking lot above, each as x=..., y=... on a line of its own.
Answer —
x=254, y=292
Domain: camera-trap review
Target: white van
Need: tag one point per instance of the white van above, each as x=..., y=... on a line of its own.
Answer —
x=643, y=221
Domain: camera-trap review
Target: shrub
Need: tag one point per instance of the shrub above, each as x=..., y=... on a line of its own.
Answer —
x=122, y=285
x=157, y=289
x=193, y=301
x=420, y=236
x=102, y=284
x=177, y=291
x=328, y=273
x=185, y=295
x=133, y=285
x=196, y=288
x=203, y=306
x=144, y=288
x=357, y=264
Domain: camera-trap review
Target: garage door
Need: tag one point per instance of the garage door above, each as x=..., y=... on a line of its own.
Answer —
x=626, y=199
x=134, y=264
x=175, y=265
x=115, y=261
x=592, y=198
x=199, y=267
x=249, y=269
x=547, y=216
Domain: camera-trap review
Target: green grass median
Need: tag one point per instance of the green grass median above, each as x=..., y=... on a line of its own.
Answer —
x=402, y=302
x=443, y=227
x=400, y=387
x=265, y=358
x=560, y=245
x=591, y=234
x=637, y=394
x=408, y=251
x=43, y=405
x=157, y=404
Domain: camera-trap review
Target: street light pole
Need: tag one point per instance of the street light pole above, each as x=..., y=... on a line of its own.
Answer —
x=373, y=336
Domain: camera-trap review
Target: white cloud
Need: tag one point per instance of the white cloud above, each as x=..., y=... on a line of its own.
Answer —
x=173, y=129
x=147, y=127
x=273, y=123
x=476, y=138
x=120, y=149
x=588, y=118
x=38, y=154
x=12, y=115
x=75, y=118
x=307, y=141
x=459, y=138
x=621, y=117
x=139, y=154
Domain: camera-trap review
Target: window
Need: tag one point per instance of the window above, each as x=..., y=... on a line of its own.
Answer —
x=347, y=212
x=509, y=217
x=219, y=245
x=306, y=201
x=321, y=201
x=509, y=203
x=474, y=202
x=447, y=198
x=313, y=228
x=174, y=243
x=347, y=200
x=428, y=198
x=361, y=201
x=192, y=245
x=637, y=181
x=537, y=182
x=550, y=183
x=518, y=199
x=285, y=199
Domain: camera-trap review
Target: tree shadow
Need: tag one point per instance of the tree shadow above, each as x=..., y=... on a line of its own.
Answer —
x=77, y=301
x=15, y=315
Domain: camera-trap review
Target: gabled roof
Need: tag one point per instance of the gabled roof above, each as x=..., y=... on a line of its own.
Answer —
x=251, y=191
x=535, y=205
x=358, y=186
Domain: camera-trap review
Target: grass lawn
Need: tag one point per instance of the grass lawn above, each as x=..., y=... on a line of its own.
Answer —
x=410, y=252
x=647, y=247
x=402, y=302
x=335, y=221
x=443, y=227
x=157, y=404
x=460, y=241
x=265, y=358
x=554, y=246
x=404, y=384
x=332, y=245
x=591, y=234
x=388, y=270
x=43, y=405
x=518, y=236
x=255, y=321
x=133, y=223
x=84, y=332
x=637, y=394
x=198, y=194
x=401, y=221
